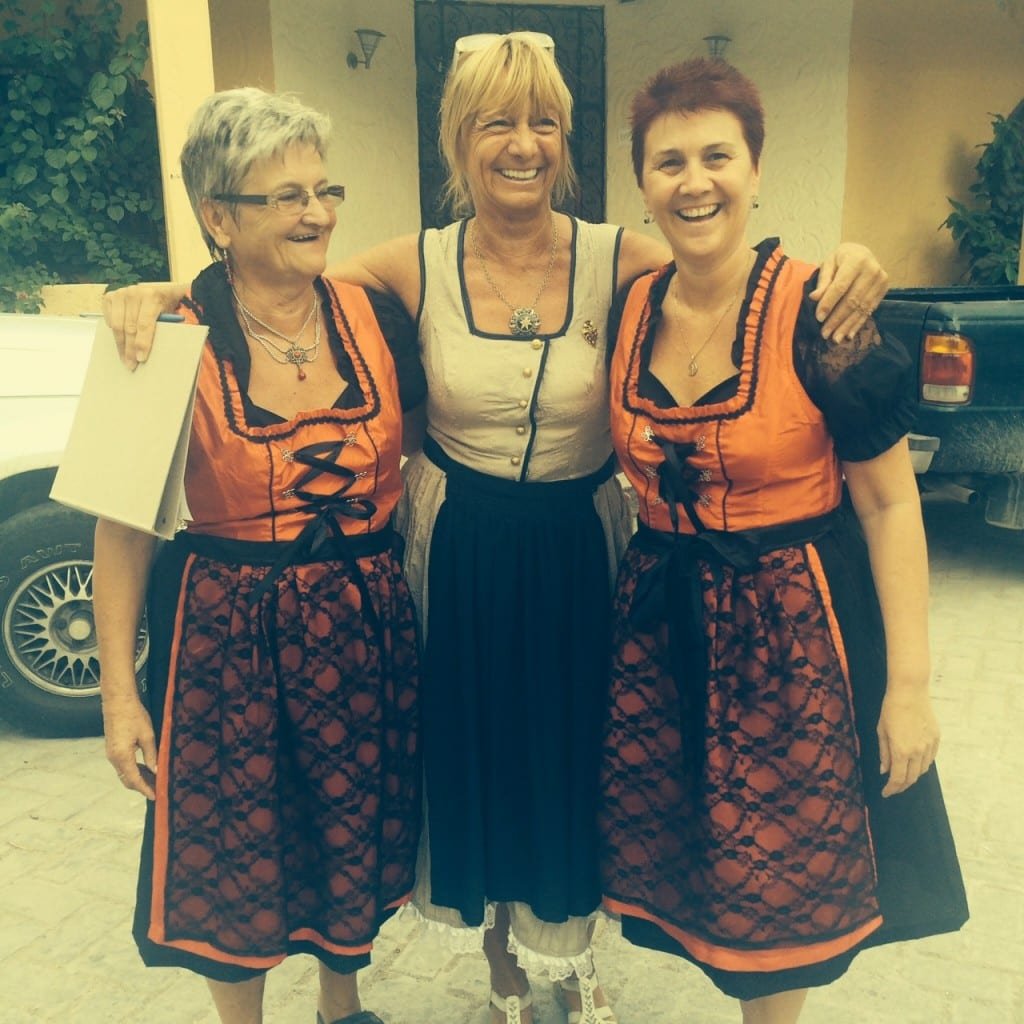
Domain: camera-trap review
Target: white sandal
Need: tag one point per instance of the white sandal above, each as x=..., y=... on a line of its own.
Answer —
x=588, y=1012
x=512, y=1006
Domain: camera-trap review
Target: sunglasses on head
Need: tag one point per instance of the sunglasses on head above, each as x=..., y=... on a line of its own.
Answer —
x=469, y=44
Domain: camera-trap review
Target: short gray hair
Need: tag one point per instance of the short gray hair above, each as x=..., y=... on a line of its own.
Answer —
x=234, y=129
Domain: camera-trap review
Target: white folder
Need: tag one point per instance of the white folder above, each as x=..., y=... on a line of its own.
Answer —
x=125, y=457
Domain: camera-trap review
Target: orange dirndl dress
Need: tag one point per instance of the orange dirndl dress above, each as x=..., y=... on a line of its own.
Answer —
x=743, y=822
x=284, y=670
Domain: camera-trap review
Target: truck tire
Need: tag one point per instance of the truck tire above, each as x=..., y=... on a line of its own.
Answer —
x=49, y=664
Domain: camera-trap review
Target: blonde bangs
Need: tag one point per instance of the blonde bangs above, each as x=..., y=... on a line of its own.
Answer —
x=529, y=83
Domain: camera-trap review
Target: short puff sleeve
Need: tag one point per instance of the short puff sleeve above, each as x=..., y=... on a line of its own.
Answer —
x=864, y=385
x=399, y=332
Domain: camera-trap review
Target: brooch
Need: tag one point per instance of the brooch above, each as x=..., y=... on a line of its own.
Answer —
x=590, y=333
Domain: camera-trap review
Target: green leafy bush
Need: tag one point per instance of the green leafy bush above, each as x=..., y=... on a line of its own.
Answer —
x=987, y=232
x=80, y=196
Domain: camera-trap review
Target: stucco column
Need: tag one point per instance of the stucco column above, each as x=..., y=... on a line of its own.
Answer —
x=182, y=54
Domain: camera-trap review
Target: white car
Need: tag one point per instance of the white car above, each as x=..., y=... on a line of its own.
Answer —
x=49, y=669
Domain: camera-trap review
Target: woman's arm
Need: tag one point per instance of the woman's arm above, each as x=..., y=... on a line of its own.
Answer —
x=414, y=429
x=132, y=312
x=121, y=564
x=885, y=496
x=851, y=282
x=392, y=267
x=638, y=254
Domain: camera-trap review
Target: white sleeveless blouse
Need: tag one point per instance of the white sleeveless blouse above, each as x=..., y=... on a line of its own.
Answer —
x=521, y=409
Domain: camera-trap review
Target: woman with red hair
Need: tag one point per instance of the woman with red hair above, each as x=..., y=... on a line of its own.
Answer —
x=770, y=803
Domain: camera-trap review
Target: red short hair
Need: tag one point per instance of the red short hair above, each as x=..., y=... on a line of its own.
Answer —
x=698, y=84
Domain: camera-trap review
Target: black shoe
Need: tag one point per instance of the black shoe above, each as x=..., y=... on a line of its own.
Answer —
x=362, y=1017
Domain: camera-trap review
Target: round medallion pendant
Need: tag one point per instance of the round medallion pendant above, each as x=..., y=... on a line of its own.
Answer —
x=524, y=322
x=297, y=356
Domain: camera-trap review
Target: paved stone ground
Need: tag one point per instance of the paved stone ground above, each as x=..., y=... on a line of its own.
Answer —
x=69, y=836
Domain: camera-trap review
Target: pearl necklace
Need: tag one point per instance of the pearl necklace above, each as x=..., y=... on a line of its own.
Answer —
x=525, y=320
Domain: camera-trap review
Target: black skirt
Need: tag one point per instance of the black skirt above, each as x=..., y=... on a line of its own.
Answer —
x=515, y=682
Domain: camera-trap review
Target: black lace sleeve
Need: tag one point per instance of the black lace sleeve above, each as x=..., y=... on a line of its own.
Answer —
x=864, y=385
x=400, y=333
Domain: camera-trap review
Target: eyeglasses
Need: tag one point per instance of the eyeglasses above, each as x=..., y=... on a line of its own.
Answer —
x=470, y=44
x=289, y=200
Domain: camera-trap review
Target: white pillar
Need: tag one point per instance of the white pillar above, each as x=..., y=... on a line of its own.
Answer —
x=182, y=55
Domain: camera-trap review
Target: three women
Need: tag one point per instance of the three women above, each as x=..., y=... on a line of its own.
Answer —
x=513, y=523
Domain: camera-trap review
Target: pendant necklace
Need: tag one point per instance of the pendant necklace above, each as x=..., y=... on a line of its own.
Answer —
x=691, y=367
x=295, y=354
x=525, y=320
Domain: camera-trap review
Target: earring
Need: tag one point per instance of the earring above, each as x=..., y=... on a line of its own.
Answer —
x=648, y=216
x=754, y=202
x=225, y=257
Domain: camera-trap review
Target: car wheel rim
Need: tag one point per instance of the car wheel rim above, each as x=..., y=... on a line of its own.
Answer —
x=50, y=631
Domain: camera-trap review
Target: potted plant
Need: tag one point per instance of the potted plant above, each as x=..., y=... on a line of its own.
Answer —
x=988, y=232
x=80, y=196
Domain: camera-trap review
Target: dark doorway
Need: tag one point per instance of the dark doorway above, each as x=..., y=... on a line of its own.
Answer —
x=578, y=33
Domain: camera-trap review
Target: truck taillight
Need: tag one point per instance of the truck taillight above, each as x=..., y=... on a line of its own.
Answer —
x=947, y=368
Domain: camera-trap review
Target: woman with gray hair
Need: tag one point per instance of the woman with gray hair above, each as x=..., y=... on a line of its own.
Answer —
x=280, y=746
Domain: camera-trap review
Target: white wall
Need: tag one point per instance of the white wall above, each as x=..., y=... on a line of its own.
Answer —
x=374, y=147
x=796, y=51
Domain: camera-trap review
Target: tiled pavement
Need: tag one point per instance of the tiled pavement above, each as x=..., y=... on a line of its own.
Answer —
x=69, y=836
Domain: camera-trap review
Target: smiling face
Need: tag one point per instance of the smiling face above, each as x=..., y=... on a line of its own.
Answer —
x=699, y=181
x=271, y=248
x=513, y=160
x=491, y=96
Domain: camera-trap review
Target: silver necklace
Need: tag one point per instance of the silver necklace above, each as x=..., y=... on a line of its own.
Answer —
x=295, y=354
x=691, y=367
x=525, y=320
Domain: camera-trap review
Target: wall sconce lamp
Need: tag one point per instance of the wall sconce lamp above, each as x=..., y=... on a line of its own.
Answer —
x=368, y=40
x=717, y=45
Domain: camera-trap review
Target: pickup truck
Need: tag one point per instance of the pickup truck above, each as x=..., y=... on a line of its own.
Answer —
x=49, y=670
x=968, y=347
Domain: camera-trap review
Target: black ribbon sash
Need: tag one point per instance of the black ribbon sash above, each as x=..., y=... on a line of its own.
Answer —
x=321, y=539
x=669, y=591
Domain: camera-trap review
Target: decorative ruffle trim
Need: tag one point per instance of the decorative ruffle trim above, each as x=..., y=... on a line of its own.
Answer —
x=557, y=968
x=459, y=938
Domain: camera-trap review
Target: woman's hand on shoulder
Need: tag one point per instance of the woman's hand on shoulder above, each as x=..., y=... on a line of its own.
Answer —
x=851, y=284
x=908, y=736
x=132, y=312
x=129, y=731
